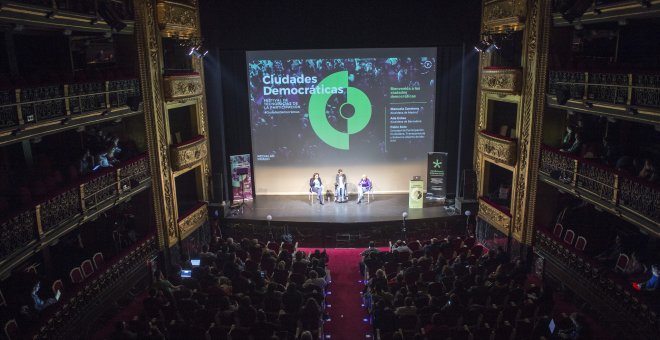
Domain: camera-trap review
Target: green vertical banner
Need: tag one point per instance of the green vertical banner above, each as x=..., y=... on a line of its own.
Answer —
x=436, y=175
x=416, y=194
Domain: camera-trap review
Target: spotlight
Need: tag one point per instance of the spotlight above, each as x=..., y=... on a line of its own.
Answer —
x=67, y=32
x=269, y=217
x=198, y=52
x=492, y=48
x=404, y=215
x=482, y=46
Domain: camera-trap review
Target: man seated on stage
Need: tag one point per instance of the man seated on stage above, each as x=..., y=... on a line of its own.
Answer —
x=340, y=186
x=316, y=186
x=364, y=185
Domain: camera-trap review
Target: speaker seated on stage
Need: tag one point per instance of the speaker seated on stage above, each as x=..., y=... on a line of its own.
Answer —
x=316, y=186
x=364, y=186
x=340, y=186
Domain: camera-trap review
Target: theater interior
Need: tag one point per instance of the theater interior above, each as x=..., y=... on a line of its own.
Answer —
x=121, y=215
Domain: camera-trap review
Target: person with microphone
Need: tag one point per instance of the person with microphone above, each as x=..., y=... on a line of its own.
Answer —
x=340, y=186
x=364, y=185
x=316, y=185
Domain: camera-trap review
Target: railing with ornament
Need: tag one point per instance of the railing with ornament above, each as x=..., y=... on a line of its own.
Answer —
x=621, y=95
x=70, y=203
x=192, y=219
x=604, y=185
x=495, y=214
x=84, y=300
x=608, y=292
x=124, y=8
x=30, y=105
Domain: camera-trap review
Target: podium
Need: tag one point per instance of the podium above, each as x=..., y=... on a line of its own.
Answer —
x=416, y=194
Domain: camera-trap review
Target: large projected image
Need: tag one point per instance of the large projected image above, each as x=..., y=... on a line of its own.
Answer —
x=317, y=110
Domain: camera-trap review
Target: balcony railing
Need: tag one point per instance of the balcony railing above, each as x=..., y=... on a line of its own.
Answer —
x=609, y=294
x=188, y=153
x=612, y=11
x=605, y=185
x=501, y=15
x=192, y=219
x=623, y=95
x=499, y=148
x=177, y=18
x=35, y=223
x=182, y=86
x=495, y=214
x=78, y=15
x=85, y=301
x=35, y=104
x=501, y=79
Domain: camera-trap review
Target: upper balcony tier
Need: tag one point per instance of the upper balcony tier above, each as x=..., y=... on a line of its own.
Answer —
x=628, y=96
x=623, y=195
x=33, y=110
x=75, y=15
x=27, y=231
x=613, y=11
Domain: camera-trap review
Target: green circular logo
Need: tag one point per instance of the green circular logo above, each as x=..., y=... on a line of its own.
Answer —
x=355, y=122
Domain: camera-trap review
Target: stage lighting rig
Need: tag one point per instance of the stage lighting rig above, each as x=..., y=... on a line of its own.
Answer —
x=198, y=52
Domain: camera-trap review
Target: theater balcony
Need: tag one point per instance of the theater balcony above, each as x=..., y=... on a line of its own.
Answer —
x=182, y=85
x=627, y=96
x=502, y=15
x=78, y=15
x=192, y=219
x=501, y=79
x=28, y=231
x=631, y=198
x=627, y=313
x=495, y=214
x=177, y=18
x=32, y=110
x=189, y=153
x=497, y=148
x=612, y=10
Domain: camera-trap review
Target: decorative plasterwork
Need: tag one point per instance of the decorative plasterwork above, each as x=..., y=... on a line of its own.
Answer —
x=193, y=220
x=494, y=216
x=500, y=15
x=176, y=19
x=180, y=87
x=498, y=149
x=149, y=56
x=501, y=80
x=535, y=59
x=187, y=154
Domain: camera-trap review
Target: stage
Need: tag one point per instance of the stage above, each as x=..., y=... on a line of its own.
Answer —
x=341, y=224
x=381, y=208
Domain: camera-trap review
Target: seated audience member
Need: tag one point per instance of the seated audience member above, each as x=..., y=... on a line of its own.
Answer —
x=577, y=330
x=611, y=152
x=648, y=171
x=569, y=137
x=292, y=299
x=652, y=283
x=40, y=304
x=407, y=309
x=315, y=280
x=611, y=254
x=262, y=329
x=576, y=146
x=400, y=247
x=160, y=282
x=121, y=332
x=634, y=267
x=86, y=163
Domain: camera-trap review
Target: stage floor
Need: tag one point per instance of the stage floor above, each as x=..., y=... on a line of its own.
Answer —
x=382, y=208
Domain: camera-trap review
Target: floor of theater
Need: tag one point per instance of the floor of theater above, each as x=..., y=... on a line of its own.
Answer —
x=348, y=318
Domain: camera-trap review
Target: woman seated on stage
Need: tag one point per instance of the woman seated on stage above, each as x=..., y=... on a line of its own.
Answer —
x=316, y=186
x=364, y=185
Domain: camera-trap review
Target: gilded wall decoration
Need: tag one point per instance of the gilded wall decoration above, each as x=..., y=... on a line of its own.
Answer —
x=188, y=154
x=192, y=221
x=499, y=149
x=149, y=56
x=494, y=216
x=533, y=102
x=176, y=19
x=179, y=87
x=501, y=80
x=499, y=15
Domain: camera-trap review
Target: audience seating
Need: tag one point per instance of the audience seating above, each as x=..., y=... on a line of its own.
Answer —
x=581, y=243
x=558, y=230
x=57, y=285
x=98, y=260
x=11, y=330
x=569, y=237
x=622, y=262
x=87, y=268
x=76, y=275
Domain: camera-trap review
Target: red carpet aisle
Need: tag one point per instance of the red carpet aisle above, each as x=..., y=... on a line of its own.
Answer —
x=346, y=312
